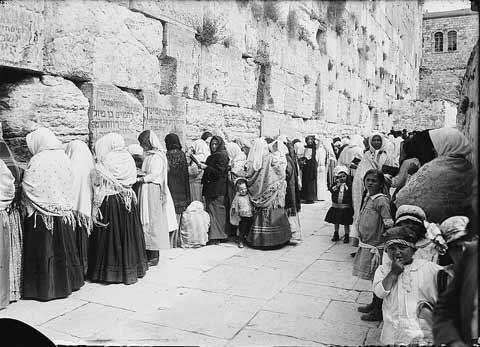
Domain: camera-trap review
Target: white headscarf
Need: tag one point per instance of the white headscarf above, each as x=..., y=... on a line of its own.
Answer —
x=256, y=154
x=135, y=149
x=82, y=165
x=48, y=179
x=450, y=142
x=234, y=152
x=113, y=160
x=201, y=150
x=7, y=186
x=279, y=150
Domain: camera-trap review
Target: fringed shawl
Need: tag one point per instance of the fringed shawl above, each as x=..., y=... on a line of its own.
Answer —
x=267, y=186
x=82, y=165
x=114, y=173
x=48, y=179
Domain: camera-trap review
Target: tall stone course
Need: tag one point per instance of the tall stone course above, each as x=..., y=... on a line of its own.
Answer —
x=277, y=67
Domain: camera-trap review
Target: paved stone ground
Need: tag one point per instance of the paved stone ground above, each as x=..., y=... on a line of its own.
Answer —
x=300, y=295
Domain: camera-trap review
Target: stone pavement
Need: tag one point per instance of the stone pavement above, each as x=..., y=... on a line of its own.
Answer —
x=300, y=295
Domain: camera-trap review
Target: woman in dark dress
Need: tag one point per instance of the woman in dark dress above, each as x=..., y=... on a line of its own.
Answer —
x=117, y=245
x=215, y=188
x=292, y=196
x=178, y=181
x=52, y=268
x=309, y=176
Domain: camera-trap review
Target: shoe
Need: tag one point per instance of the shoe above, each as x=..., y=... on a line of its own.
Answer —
x=353, y=254
x=373, y=316
x=346, y=239
x=366, y=309
x=153, y=262
x=240, y=244
x=152, y=257
x=335, y=237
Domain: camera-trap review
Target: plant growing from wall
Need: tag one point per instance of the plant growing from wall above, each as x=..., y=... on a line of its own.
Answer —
x=303, y=35
x=257, y=10
x=384, y=56
x=330, y=86
x=292, y=24
x=210, y=31
x=228, y=41
x=330, y=65
x=270, y=10
x=372, y=37
x=339, y=27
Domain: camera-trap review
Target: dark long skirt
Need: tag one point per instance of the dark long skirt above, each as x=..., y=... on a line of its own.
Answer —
x=117, y=252
x=81, y=236
x=52, y=268
x=218, y=218
x=270, y=228
x=309, y=182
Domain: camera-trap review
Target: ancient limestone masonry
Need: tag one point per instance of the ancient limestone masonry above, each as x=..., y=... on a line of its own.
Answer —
x=245, y=67
x=443, y=67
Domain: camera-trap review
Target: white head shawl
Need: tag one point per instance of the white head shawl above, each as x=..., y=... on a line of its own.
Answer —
x=114, y=162
x=155, y=142
x=279, y=150
x=135, y=149
x=235, y=153
x=42, y=139
x=48, y=179
x=256, y=154
x=450, y=141
x=82, y=165
x=202, y=151
x=357, y=140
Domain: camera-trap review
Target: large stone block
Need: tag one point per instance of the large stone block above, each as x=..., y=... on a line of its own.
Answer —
x=164, y=114
x=102, y=41
x=203, y=116
x=112, y=110
x=21, y=34
x=34, y=102
x=241, y=122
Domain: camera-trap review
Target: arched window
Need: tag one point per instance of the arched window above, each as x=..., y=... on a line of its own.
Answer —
x=438, y=42
x=452, y=40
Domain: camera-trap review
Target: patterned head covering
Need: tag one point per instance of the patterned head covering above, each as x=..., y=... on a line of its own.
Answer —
x=454, y=228
x=401, y=235
x=410, y=212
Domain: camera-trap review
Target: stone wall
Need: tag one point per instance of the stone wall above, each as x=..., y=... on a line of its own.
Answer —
x=423, y=114
x=303, y=67
x=442, y=72
x=468, y=109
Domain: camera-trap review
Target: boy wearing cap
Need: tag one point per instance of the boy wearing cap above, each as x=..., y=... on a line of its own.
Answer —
x=402, y=285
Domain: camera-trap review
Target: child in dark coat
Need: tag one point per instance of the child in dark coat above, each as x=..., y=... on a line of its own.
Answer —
x=341, y=212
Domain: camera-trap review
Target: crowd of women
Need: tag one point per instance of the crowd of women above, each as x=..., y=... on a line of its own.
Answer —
x=72, y=216
x=410, y=201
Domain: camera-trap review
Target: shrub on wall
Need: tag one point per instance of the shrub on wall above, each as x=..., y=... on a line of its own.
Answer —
x=210, y=31
x=270, y=11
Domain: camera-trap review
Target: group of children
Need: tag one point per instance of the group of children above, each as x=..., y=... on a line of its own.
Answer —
x=399, y=280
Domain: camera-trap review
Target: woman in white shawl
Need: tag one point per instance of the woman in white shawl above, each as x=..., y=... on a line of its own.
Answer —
x=266, y=172
x=353, y=151
x=9, y=224
x=52, y=267
x=153, y=197
x=375, y=158
x=321, y=153
x=82, y=165
x=200, y=151
x=117, y=244
x=236, y=169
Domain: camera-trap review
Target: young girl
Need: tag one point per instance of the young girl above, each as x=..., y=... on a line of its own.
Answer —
x=373, y=219
x=402, y=285
x=341, y=212
x=241, y=211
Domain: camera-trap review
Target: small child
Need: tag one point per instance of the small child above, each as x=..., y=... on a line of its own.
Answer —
x=241, y=211
x=402, y=285
x=341, y=212
x=373, y=219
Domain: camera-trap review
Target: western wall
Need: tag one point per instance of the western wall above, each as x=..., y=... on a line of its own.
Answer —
x=247, y=68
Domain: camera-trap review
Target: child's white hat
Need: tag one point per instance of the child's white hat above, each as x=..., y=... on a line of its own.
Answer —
x=339, y=169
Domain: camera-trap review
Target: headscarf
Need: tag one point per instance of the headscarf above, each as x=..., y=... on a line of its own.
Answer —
x=279, y=151
x=114, y=162
x=135, y=149
x=339, y=169
x=255, y=158
x=201, y=150
x=172, y=142
x=402, y=235
x=82, y=166
x=48, y=180
x=234, y=153
x=353, y=150
x=450, y=142
x=221, y=144
x=299, y=149
x=377, y=152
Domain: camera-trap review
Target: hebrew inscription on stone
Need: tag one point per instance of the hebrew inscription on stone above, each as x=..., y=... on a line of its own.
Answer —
x=164, y=114
x=21, y=38
x=112, y=110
